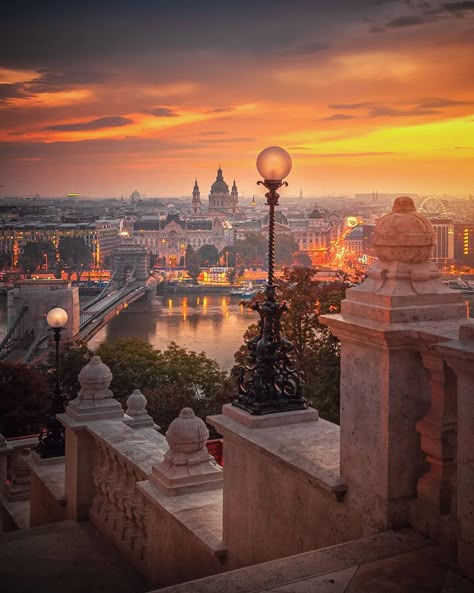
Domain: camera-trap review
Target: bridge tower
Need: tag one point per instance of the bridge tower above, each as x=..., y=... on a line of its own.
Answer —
x=131, y=261
x=30, y=301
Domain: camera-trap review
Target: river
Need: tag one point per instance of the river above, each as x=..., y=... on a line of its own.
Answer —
x=214, y=324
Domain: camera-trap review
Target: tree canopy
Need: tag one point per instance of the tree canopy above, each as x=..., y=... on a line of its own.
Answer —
x=207, y=255
x=74, y=254
x=192, y=263
x=23, y=399
x=33, y=255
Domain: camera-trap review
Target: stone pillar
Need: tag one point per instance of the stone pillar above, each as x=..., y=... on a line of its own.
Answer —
x=94, y=403
x=384, y=387
x=460, y=357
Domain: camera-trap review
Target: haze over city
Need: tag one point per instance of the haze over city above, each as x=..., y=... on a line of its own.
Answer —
x=104, y=98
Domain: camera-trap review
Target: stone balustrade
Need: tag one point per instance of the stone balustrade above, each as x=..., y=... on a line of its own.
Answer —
x=293, y=482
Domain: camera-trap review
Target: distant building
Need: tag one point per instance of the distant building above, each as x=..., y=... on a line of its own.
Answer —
x=167, y=238
x=196, y=201
x=444, y=243
x=220, y=199
x=135, y=196
x=102, y=236
x=464, y=243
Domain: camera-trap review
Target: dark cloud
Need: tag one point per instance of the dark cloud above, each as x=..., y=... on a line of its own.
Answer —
x=459, y=8
x=338, y=117
x=343, y=154
x=95, y=124
x=364, y=105
x=384, y=111
x=221, y=110
x=310, y=47
x=226, y=140
x=373, y=110
x=441, y=103
x=406, y=21
x=162, y=112
x=50, y=82
x=11, y=91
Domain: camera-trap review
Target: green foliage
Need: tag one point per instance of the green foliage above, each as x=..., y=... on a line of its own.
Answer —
x=227, y=256
x=285, y=247
x=192, y=263
x=23, y=399
x=34, y=254
x=170, y=379
x=75, y=254
x=251, y=251
x=207, y=255
x=302, y=259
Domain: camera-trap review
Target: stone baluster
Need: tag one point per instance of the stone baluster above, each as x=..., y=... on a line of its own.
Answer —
x=19, y=479
x=460, y=357
x=438, y=430
x=5, y=452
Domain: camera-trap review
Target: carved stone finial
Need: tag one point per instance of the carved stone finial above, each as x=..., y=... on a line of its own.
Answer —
x=404, y=235
x=94, y=401
x=187, y=465
x=95, y=379
x=136, y=410
x=187, y=433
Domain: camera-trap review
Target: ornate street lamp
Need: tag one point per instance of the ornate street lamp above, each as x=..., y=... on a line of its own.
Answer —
x=51, y=440
x=268, y=381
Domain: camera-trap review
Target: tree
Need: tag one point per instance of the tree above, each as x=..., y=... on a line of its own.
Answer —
x=23, y=399
x=75, y=255
x=207, y=255
x=170, y=379
x=35, y=253
x=251, y=251
x=227, y=256
x=302, y=259
x=285, y=247
x=316, y=350
x=192, y=263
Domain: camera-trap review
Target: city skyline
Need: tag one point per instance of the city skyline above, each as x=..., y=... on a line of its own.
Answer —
x=100, y=100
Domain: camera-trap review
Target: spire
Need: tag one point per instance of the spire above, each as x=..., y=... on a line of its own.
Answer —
x=219, y=172
x=196, y=186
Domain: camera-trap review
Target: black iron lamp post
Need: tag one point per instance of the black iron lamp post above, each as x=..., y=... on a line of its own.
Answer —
x=51, y=440
x=268, y=381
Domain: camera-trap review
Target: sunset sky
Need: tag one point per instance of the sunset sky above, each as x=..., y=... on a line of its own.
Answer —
x=102, y=98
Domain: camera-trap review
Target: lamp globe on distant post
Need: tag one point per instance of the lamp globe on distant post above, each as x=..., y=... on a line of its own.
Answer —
x=51, y=440
x=268, y=381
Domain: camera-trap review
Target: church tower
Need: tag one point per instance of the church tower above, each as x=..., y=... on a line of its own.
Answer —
x=234, y=198
x=196, y=201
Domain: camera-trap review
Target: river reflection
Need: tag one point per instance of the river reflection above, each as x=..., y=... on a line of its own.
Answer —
x=214, y=324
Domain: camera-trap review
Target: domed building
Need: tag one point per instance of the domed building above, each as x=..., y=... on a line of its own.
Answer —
x=220, y=199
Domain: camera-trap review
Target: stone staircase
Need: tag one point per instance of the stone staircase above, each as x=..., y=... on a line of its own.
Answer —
x=64, y=557
x=391, y=562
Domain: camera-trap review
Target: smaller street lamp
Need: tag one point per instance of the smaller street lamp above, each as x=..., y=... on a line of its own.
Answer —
x=268, y=382
x=51, y=440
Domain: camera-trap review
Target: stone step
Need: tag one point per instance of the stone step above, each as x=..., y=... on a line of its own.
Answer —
x=64, y=556
x=397, y=561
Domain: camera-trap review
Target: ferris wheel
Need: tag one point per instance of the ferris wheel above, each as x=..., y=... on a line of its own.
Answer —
x=432, y=206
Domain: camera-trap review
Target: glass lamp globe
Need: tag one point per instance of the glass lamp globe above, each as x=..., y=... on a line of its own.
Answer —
x=57, y=317
x=274, y=163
